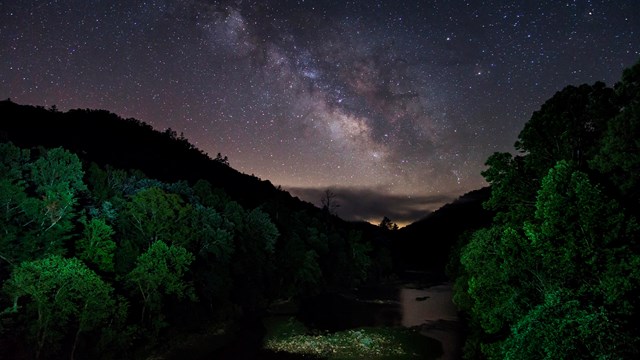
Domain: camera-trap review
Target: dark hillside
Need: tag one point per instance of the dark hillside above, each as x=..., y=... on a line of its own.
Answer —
x=427, y=243
x=115, y=214
x=107, y=139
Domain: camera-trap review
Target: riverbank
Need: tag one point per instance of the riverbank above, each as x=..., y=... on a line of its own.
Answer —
x=390, y=321
x=399, y=320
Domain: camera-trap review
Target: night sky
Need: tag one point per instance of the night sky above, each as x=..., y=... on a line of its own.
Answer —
x=395, y=105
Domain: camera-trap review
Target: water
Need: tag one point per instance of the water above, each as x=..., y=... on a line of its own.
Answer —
x=401, y=305
x=430, y=308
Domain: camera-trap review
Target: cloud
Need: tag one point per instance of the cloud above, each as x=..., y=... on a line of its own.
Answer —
x=372, y=204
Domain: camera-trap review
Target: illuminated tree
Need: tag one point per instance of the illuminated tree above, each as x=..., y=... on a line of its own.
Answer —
x=556, y=276
x=160, y=272
x=96, y=246
x=59, y=294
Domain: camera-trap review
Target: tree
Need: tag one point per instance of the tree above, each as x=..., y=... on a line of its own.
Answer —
x=564, y=327
x=159, y=272
x=151, y=215
x=329, y=202
x=59, y=292
x=567, y=127
x=387, y=224
x=576, y=248
x=154, y=215
x=96, y=246
x=557, y=274
x=13, y=198
x=255, y=240
x=39, y=201
x=358, y=256
x=260, y=228
x=619, y=156
x=513, y=188
x=212, y=234
x=207, y=196
x=55, y=168
x=222, y=160
x=57, y=176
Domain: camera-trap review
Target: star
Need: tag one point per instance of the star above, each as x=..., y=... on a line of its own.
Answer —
x=407, y=98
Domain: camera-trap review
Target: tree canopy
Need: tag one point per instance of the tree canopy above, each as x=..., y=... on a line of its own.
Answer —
x=95, y=260
x=557, y=273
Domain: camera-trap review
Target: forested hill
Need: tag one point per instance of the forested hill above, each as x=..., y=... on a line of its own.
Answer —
x=107, y=139
x=427, y=243
x=115, y=237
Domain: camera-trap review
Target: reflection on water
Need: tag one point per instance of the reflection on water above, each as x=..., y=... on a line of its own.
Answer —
x=430, y=308
x=433, y=309
x=419, y=306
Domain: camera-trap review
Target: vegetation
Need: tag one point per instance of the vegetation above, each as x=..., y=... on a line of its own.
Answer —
x=108, y=250
x=557, y=274
x=98, y=261
x=290, y=336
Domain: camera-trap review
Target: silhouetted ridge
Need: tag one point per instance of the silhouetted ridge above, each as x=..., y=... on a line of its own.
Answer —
x=427, y=243
x=108, y=139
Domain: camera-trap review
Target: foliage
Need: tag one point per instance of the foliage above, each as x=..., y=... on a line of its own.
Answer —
x=96, y=246
x=556, y=275
x=290, y=336
x=152, y=215
x=159, y=272
x=260, y=227
x=387, y=224
x=176, y=250
x=60, y=293
x=39, y=202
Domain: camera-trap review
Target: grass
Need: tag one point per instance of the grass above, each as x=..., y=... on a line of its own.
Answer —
x=286, y=334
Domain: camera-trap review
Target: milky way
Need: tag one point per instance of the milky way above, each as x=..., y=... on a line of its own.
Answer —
x=395, y=105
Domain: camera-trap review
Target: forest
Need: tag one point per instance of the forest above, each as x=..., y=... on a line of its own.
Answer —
x=99, y=261
x=116, y=238
x=557, y=273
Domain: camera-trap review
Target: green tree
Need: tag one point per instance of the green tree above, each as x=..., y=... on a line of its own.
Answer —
x=255, y=238
x=159, y=272
x=513, y=188
x=556, y=275
x=41, y=220
x=13, y=161
x=13, y=200
x=210, y=197
x=260, y=228
x=96, y=245
x=578, y=244
x=358, y=256
x=567, y=127
x=563, y=327
x=55, y=168
x=499, y=283
x=57, y=176
x=151, y=215
x=211, y=234
x=619, y=156
x=59, y=293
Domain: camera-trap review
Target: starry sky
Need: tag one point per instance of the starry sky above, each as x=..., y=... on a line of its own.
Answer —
x=393, y=105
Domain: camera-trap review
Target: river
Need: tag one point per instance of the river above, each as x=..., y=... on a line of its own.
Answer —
x=426, y=308
x=435, y=312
